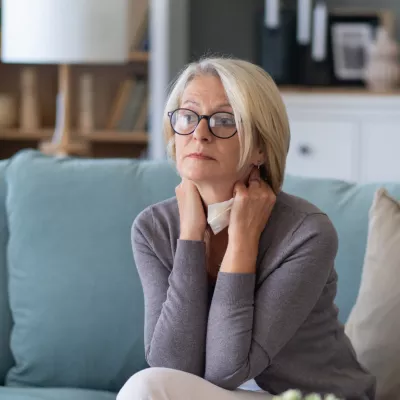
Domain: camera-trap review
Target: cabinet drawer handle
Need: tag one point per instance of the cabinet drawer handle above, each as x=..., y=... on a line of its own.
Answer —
x=305, y=150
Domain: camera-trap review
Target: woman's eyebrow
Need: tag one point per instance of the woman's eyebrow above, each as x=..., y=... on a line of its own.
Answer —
x=191, y=102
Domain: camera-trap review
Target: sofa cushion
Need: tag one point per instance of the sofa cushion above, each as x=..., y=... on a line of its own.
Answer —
x=374, y=322
x=14, y=393
x=347, y=205
x=5, y=316
x=75, y=296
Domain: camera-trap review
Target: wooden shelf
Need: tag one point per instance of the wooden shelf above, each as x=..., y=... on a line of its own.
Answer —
x=116, y=137
x=139, y=56
x=18, y=134
x=138, y=137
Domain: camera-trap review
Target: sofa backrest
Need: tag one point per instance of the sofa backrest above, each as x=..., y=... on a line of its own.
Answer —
x=75, y=296
x=6, y=360
x=347, y=205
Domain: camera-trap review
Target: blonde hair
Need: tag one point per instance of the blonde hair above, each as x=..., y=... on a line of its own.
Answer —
x=256, y=104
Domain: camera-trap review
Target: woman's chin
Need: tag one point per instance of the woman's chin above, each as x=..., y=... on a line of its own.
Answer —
x=197, y=175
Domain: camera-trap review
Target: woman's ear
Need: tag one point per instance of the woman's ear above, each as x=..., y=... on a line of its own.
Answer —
x=259, y=157
x=259, y=161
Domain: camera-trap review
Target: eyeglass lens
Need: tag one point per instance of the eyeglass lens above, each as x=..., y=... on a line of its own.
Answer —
x=185, y=122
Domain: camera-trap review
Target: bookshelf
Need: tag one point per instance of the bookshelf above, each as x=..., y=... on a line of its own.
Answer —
x=100, y=142
x=122, y=137
x=18, y=134
x=97, y=137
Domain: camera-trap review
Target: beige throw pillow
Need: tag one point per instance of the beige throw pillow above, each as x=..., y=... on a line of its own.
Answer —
x=374, y=322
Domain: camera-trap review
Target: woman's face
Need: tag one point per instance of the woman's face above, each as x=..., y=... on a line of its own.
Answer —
x=201, y=156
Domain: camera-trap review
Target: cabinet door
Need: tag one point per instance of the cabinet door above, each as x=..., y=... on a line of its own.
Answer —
x=323, y=148
x=380, y=159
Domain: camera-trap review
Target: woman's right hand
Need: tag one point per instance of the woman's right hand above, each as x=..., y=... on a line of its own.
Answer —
x=191, y=212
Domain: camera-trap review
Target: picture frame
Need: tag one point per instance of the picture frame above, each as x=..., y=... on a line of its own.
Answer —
x=350, y=34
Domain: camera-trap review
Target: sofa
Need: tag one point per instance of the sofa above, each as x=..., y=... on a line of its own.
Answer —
x=71, y=303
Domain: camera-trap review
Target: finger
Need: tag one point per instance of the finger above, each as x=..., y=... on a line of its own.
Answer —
x=254, y=174
x=238, y=189
x=186, y=183
x=268, y=194
x=254, y=178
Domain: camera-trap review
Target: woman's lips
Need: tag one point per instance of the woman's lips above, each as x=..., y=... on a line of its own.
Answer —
x=200, y=156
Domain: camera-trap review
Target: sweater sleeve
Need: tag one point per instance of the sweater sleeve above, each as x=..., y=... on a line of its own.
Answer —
x=175, y=300
x=248, y=327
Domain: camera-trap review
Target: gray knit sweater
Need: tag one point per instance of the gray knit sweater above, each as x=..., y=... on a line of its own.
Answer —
x=278, y=326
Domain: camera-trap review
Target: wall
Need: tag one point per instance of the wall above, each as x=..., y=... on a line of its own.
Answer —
x=229, y=26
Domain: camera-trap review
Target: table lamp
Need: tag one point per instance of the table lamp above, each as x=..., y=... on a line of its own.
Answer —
x=65, y=32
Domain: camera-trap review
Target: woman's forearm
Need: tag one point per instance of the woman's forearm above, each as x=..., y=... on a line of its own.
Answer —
x=178, y=338
x=230, y=320
x=230, y=330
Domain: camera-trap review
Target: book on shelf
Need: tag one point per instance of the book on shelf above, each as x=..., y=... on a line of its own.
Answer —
x=141, y=119
x=133, y=106
x=130, y=110
x=120, y=101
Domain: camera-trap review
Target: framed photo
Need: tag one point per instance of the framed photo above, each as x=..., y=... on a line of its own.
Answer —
x=350, y=44
x=350, y=36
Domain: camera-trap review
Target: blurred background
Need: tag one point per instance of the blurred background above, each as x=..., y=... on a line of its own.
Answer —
x=90, y=78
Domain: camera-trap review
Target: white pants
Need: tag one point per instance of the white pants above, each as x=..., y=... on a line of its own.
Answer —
x=170, y=384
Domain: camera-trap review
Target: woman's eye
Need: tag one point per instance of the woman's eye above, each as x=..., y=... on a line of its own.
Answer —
x=225, y=121
x=187, y=118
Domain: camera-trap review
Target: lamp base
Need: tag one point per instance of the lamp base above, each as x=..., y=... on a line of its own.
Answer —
x=63, y=143
x=64, y=150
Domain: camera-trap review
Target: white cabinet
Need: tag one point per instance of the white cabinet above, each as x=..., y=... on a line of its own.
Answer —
x=351, y=137
x=323, y=148
x=381, y=151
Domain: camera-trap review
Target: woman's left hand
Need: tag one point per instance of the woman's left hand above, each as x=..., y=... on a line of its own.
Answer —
x=251, y=209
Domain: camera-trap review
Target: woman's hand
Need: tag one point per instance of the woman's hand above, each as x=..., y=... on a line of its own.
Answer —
x=251, y=209
x=191, y=212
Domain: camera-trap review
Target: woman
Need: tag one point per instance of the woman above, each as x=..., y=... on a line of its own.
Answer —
x=249, y=310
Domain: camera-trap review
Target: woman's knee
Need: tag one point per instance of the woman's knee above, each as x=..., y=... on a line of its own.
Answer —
x=148, y=384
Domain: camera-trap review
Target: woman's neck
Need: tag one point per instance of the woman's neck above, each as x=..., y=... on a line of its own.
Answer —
x=217, y=192
x=211, y=194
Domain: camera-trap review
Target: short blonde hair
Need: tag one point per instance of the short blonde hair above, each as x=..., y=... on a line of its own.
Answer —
x=256, y=103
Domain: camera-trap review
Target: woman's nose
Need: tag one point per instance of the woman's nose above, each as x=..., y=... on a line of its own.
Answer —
x=202, y=132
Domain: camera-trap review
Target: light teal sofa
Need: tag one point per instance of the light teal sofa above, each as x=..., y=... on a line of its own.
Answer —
x=71, y=305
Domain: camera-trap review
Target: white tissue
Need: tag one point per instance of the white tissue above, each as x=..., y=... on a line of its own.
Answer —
x=218, y=215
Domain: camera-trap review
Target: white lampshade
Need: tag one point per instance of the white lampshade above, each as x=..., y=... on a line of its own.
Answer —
x=65, y=31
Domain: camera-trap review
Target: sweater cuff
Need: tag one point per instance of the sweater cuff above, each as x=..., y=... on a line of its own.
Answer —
x=235, y=288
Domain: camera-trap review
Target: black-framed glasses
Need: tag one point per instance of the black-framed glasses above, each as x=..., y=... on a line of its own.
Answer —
x=221, y=124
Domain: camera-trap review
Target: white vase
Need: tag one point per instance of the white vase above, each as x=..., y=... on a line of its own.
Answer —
x=382, y=72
